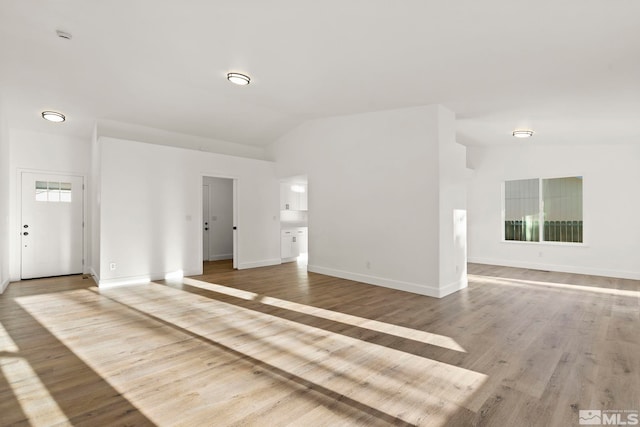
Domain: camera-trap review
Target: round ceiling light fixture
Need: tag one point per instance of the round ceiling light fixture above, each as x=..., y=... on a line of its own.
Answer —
x=238, y=79
x=53, y=116
x=523, y=133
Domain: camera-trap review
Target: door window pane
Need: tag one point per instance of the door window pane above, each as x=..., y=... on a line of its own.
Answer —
x=51, y=191
x=41, y=191
x=54, y=191
x=65, y=192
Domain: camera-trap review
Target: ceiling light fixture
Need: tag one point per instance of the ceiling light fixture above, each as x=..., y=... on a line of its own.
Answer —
x=523, y=133
x=53, y=116
x=239, y=79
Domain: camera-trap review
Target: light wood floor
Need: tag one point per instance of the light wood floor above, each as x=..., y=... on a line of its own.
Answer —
x=280, y=346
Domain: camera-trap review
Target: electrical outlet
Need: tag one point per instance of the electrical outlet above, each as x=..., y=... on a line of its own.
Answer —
x=112, y=266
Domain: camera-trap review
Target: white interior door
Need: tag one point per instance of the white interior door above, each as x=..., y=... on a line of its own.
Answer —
x=52, y=225
x=235, y=223
x=205, y=220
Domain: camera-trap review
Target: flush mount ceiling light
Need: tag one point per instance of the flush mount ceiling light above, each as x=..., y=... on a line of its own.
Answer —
x=523, y=133
x=239, y=79
x=53, y=116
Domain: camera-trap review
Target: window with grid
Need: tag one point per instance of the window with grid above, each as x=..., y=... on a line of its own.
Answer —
x=47, y=191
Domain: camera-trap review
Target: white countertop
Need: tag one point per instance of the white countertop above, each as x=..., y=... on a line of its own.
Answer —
x=287, y=225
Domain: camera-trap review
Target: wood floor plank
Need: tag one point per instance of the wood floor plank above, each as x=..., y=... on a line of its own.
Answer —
x=280, y=346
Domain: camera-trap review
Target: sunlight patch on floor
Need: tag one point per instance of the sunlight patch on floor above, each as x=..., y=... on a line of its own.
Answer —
x=37, y=404
x=374, y=325
x=6, y=343
x=174, y=354
x=557, y=286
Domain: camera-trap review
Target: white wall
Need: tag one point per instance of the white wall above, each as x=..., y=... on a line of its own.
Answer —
x=220, y=218
x=151, y=209
x=374, y=189
x=36, y=151
x=94, y=195
x=118, y=130
x=611, y=233
x=452, y=203
x=4, y=199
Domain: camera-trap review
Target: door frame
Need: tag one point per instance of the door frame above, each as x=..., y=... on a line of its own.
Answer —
x=16, y=262
x=234, y=202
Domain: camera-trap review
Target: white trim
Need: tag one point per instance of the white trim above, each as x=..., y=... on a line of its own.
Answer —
x=112, y=283
x=428, y=290
x=262, y=263
x=220, y=257
x=4, y=285
x=453, y=287
x=94, y=275
x=136, y=280
x=558, y=268
x=545, y=243
x=236, y=215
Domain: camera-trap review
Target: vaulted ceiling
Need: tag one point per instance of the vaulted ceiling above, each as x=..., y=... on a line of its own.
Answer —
x=568, y=69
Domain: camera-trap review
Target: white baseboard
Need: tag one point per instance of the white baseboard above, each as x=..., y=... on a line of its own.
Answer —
x=454, y=287
x=428, y=290
x=255, y=264
x=559, y=268
x=123, y=281
x=220, y=257
x=94, y=276
x=4, y=285
x=135, y=280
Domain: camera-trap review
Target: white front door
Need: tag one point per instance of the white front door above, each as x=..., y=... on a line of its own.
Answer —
x=51, y=228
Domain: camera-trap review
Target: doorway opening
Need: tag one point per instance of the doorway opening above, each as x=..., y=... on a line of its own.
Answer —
x=219, y=219
x=294, y=220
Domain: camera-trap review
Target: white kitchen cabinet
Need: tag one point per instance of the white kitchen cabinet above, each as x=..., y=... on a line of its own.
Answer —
x=292, y=200
x=302, y=197
x=302, y=240
x=288, y=201
x=289, y=246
